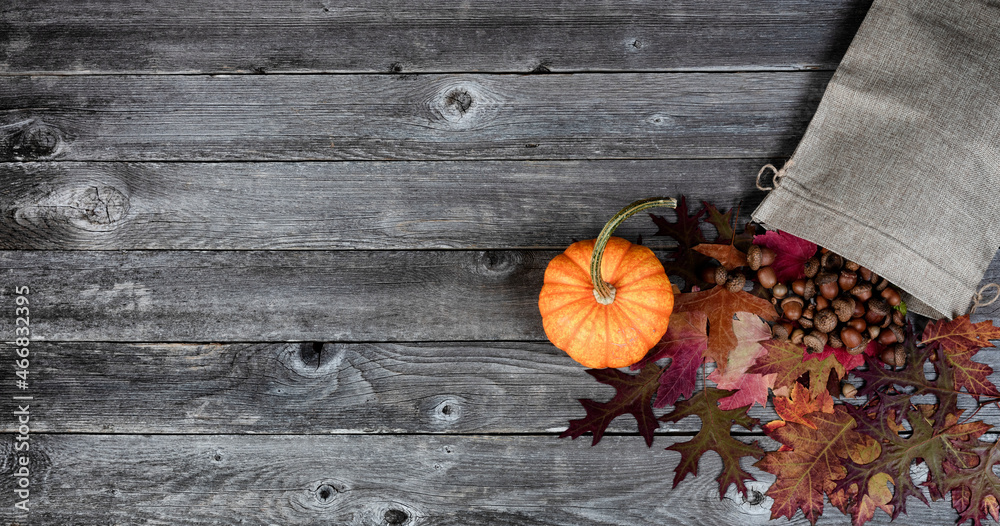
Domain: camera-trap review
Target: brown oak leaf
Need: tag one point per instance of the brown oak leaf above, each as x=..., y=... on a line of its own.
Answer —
x=788, y=362
x=727, y=255
x=721, y=305
x=633, y=395
x=714, y=436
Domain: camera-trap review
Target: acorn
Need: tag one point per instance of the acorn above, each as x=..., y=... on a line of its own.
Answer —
x=834, y=340
x=865, y=273
x=860, y=348
x=809, y=290
x=799, y=286
x=858, y=324
x=766, y=277
x=873, y=331
x=850, y=337
x=859, y=310
x=797, y=336
x=848, y=391
x=815, y=341
x=891, y=295
x=862, y=291
x=736, y=282
x=781, y=331
x=898, y=317
x=779, y=291
x=895, y=334
x=847, y=280
x=805, y=323
x=825, y=320
x=877, y=310
x=843, y=307
x=758, y=256
x=852, y=266
x=707, y=274
x=822, y=303
x=792, y=307
x=881, y=284
x=812, y=267
x=894, y=355
x=827, y=284
x=831, y=261
x=721, y=275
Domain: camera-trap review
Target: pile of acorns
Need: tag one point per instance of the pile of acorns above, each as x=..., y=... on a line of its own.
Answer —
x=839, y=303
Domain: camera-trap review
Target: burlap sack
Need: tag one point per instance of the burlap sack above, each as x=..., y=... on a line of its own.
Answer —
x=899, y=169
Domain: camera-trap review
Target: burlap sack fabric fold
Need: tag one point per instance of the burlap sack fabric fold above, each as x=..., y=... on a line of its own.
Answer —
x=899, y=169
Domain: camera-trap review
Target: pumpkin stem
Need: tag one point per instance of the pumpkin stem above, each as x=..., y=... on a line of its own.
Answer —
x=603, y=290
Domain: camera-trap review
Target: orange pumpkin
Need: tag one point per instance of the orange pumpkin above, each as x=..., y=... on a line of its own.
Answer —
x=605, y=301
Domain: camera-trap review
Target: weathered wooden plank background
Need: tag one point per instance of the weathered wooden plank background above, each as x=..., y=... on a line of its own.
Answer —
x=284, y=255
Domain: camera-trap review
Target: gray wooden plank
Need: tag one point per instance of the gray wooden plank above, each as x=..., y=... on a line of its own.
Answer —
x=259, y=296
x=312, y=387
x=366, y=480
x=348, y=205
x=411, y=117
x=422, y=36
x=219, y=296
x=315, y=387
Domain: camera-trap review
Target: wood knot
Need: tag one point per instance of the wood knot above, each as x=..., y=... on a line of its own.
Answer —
x=326, y=493
x=501, y=264
x=29, y=140
x=460, y=104
x=102, y=205
x=459, y=101
x=395, y=516
x=445, y=411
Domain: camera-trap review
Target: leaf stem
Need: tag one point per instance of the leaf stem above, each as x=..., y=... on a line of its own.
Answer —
x=603, y=291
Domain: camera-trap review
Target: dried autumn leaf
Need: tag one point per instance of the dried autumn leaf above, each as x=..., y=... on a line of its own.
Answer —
x=727, y=255
x=723, y=223
x=788, y=361
x=714, y=436
x=790, y=252
x=748, y=388
x=721, y=305
x=633, y=395
x=799, y=404
x=961, y=339
x=684, y=262
x=684, y=343
x=960, y=334
x=814, y=463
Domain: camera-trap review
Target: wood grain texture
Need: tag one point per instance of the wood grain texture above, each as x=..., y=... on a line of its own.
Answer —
x=312, y=387
x=380, y=480
x=409, y=117
x=422, y=36
x=340, y=388
x=220, y=296
x=348, y=205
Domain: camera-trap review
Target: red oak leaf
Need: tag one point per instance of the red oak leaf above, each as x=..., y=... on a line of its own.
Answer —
x=684, y=343
x=790, y=252
x=721, y=305
x=714, y=436
x=749, y=388
x=633, y=395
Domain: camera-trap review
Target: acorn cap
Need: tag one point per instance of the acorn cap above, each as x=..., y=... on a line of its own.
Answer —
x=878, y=306
x=899, y=332
x=862, y=290
x=825, y=277
x=779, y=332
x=843, y=308
x=736, y=282
x=721, y=275
x=831, y=261
x=754, y=257
x=834, y=341
x=825, y=320
x=809, y=291
x=791, y=299
x=812, y=267
x=815, y=341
